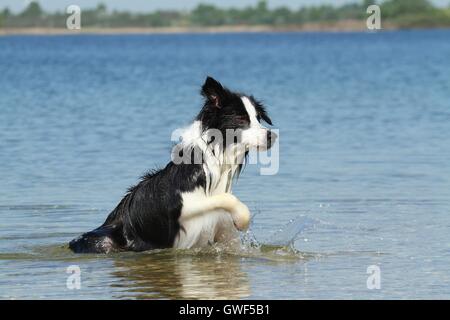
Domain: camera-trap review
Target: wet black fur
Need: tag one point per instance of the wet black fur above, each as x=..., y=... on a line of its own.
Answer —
x=147, y=216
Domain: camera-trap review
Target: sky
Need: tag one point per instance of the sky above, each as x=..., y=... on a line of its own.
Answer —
x=150, y=5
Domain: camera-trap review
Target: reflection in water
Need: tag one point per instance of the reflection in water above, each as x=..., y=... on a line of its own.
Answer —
x=216, y=272
x=181, y=276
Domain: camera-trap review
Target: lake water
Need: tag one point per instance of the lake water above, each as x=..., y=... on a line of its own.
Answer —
x=364, y=176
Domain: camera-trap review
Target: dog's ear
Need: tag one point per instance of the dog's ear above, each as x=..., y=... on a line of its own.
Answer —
x=261, y=110
x=213, y=91
x=266, y=118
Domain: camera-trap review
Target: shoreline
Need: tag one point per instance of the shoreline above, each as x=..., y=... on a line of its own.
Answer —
x=339, y=26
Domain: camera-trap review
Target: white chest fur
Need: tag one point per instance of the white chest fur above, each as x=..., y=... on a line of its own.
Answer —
x=200, y=227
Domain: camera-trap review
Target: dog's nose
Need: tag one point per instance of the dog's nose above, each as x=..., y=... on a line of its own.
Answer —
x=271, y=137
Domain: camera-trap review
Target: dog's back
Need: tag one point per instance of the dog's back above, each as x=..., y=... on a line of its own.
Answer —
x=101, y=240
x=147, y=217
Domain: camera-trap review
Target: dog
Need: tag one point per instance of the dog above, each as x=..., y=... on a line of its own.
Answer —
x=189, y=203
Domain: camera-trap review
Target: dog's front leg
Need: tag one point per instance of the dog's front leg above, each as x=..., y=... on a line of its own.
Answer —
x=195, y=205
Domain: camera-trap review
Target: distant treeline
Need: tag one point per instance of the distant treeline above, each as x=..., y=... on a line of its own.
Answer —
x=401, y=13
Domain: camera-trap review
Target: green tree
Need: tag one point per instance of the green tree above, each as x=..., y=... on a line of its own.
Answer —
x=4, y=16
x=33, y=11
x=367, y=3
x=401, y=13
x=32, y=16
x=101, y=10
x=395, y=8
x=207, y=15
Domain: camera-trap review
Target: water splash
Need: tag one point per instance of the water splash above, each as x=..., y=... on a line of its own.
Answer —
x=287, y=235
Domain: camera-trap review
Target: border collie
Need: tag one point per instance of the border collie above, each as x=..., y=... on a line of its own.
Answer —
x=189, y=203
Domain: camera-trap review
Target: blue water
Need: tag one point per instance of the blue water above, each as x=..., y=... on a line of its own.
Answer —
x=364, y=175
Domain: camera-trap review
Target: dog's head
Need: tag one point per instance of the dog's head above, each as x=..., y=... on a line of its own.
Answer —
x=236, y=116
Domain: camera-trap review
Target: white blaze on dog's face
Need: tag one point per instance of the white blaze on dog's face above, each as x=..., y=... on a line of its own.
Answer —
x=236, y=117
x=256, y=136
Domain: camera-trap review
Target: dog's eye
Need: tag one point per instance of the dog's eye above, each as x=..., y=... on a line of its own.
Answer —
x=241, y=120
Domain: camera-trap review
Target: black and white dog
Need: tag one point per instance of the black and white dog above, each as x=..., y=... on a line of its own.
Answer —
x=189, y=202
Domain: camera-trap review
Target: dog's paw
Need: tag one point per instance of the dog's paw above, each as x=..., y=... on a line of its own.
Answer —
x=239, y=212
x=241, y=216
